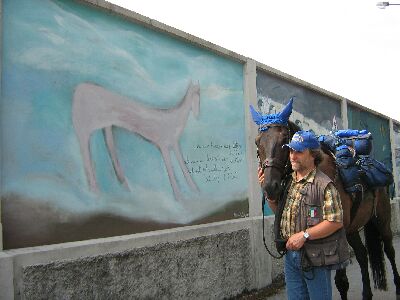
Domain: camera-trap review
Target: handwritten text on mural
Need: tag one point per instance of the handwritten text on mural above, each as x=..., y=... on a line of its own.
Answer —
x=215, y=162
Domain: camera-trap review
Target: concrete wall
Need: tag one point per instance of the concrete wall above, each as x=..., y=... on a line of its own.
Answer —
x=216, y=260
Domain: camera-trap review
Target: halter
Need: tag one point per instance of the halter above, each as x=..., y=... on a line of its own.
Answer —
x=273, y=162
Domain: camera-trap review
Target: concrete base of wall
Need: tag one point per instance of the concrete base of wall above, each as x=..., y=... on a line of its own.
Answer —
x=215, y=261
x=218, y=260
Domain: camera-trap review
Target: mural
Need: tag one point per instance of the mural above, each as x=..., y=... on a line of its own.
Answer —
x=310, y=109
x=111, y=128
x=396, y=129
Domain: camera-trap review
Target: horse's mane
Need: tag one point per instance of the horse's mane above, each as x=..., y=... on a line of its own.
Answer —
x=293, y=127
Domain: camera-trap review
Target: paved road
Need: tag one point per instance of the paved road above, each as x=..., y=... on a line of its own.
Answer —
x=354, y=275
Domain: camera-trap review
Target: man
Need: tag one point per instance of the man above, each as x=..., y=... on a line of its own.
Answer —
x=311, y=222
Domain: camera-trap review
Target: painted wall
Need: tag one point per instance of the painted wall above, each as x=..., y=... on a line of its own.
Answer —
x=311, y=110
x=71, y=75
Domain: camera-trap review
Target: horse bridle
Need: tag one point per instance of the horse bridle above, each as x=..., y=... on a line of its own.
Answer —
x=273, y=162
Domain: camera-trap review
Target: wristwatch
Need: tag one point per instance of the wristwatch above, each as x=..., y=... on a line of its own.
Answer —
x=306, y=235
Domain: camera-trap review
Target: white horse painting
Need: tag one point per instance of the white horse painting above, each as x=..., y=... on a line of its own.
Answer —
x=95, y=107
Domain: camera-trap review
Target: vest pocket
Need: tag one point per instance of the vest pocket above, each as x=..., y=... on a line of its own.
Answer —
x=317, y=254
x=331, y=253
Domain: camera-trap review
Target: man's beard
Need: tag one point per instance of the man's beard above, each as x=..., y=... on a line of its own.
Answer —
x=299, y=167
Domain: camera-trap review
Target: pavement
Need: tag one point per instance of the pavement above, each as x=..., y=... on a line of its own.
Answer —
x=354, y=276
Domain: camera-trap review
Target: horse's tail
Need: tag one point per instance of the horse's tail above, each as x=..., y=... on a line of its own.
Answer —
x=374, y=243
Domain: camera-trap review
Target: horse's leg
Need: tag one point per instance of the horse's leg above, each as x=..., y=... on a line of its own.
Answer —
x=361, y=255
x=391, y=255
x=84, y=143
x=168, y=164
x=108, y=137
x=384, y=219
x=342, y=283
x=184, y=169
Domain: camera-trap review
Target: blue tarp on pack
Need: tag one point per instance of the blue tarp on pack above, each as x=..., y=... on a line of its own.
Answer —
x=347, y=133
x=374, y=172
x=352, y=149
x=360, y=140
x=348, y=169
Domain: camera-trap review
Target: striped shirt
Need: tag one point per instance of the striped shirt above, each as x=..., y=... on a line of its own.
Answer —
x=332, y=208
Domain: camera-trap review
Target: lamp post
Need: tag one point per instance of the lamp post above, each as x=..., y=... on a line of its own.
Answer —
x=383, y=5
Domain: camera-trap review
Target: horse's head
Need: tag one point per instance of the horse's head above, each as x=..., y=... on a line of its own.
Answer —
x=273, y=159
x=275, y=131
x=194, y=93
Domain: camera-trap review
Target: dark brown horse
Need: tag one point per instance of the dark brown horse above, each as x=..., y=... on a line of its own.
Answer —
x=373, y=212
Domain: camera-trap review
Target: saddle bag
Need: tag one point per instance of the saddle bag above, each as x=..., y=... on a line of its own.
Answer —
x=373, y=172
x=348, y=169
x=363, y=146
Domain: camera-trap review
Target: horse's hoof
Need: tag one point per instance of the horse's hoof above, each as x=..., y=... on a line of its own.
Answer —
x=367, y=297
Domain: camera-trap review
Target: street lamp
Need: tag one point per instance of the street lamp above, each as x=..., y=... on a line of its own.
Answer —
x=383, y=5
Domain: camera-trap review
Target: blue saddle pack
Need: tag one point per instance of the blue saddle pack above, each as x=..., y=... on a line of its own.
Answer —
x=359, y=140
x=352, y=149
x=374, y=172
x=348, y=169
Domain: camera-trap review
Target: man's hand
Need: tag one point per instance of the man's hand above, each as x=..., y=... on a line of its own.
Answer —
x=296, y=241
x=260, y=175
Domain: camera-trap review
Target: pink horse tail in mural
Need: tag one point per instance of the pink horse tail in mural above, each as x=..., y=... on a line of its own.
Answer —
x=95, y=107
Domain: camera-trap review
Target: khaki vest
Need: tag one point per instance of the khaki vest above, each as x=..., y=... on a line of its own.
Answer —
x=329, y=251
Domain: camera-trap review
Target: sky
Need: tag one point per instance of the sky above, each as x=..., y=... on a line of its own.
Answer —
x=350, y=48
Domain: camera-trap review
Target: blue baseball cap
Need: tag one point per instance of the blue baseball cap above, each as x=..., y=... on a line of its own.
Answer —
x=303, y=140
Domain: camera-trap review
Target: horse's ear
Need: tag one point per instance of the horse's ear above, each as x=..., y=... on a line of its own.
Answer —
x=257, y=117
x=287, y=111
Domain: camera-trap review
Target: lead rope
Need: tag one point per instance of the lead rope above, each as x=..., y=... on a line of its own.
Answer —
x=280, y=253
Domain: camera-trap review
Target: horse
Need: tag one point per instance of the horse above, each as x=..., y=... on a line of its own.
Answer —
x=373, y=211
x=94, y=107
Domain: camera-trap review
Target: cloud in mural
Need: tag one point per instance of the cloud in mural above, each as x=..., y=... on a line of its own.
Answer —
x=79, y=57
x=216, y=91
x=69, y=51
